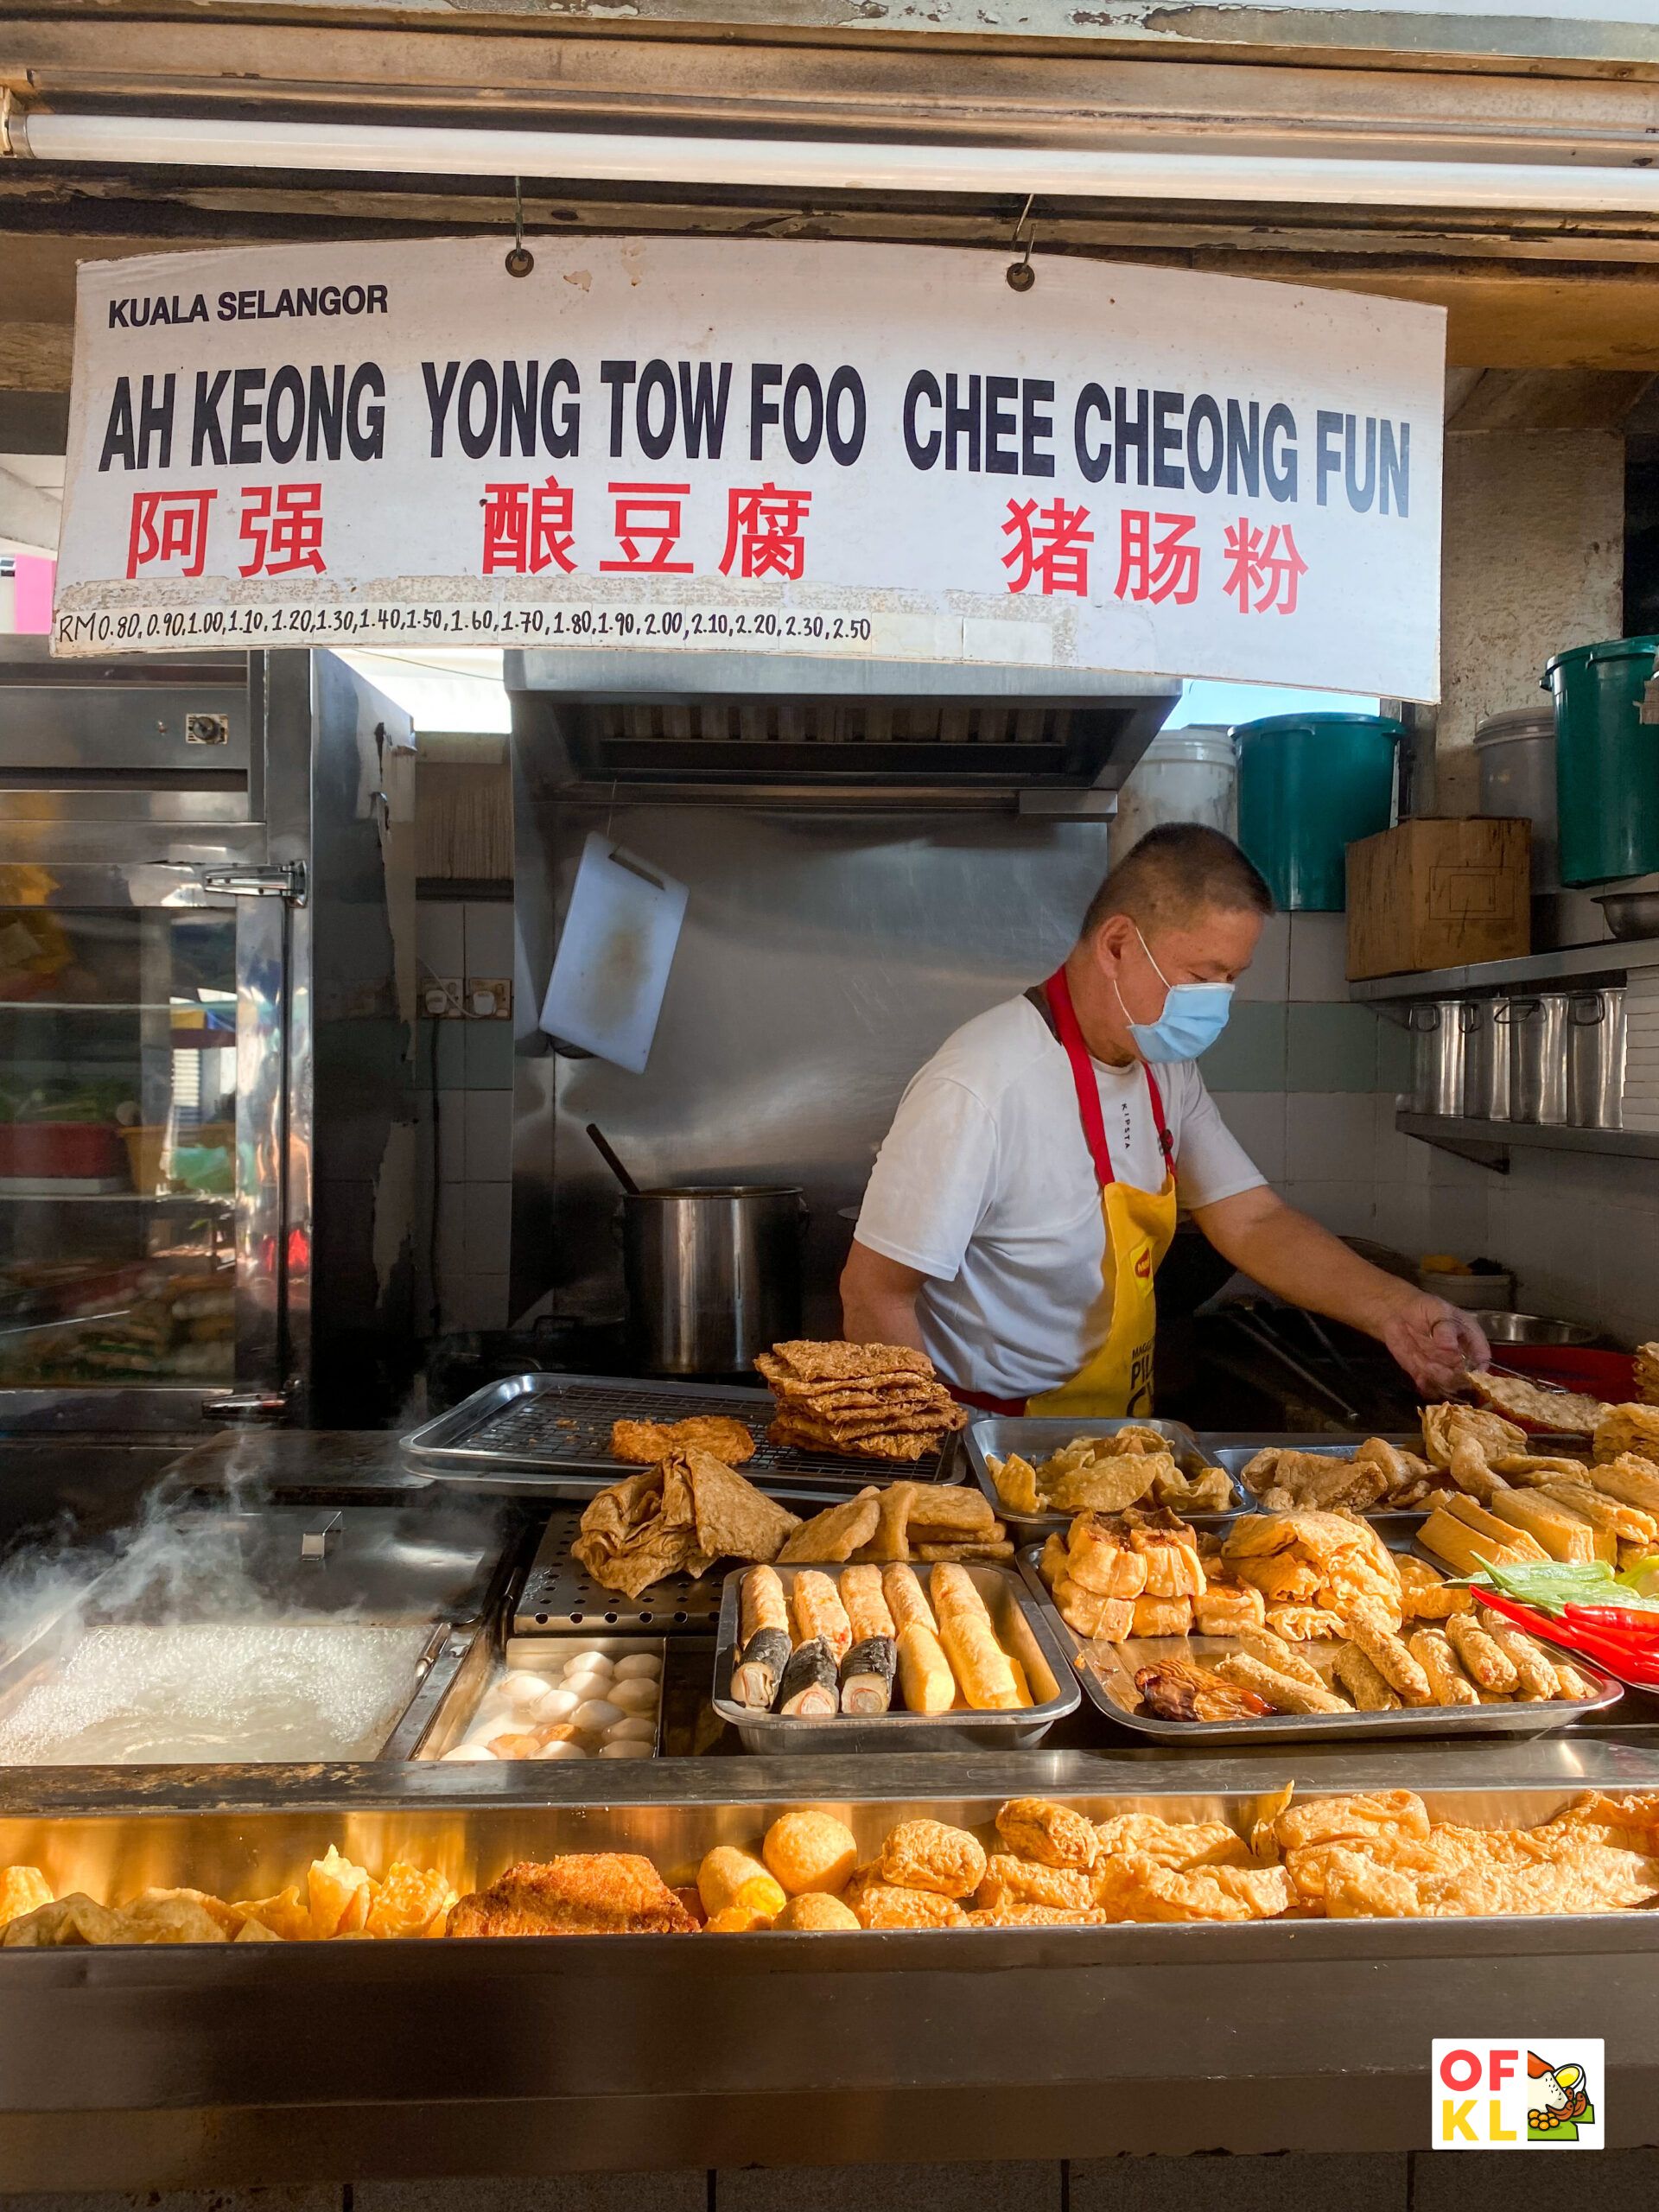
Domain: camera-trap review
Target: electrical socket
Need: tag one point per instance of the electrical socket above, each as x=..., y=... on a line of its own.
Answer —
x=440, y=999
x=488, y=998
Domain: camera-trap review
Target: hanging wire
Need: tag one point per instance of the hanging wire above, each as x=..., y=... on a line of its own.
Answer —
x=1020, y=274
x=520, y=260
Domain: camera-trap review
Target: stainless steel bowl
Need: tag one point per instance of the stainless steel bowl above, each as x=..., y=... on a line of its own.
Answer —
x=1532, y=1329
x=1633, y=910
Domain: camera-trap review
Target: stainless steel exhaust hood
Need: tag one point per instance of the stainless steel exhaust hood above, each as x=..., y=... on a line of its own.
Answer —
x=733, y=726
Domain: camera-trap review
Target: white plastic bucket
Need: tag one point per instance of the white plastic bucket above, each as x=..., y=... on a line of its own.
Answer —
x=1184, y=775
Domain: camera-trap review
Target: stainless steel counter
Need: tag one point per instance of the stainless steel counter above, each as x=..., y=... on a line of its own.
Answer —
x=156, y=2068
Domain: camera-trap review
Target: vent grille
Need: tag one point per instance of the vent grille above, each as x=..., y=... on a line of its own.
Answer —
x=783, y=722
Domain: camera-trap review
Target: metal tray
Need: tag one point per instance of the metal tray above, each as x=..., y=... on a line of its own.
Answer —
x=1393, y=1524
x=559, y=1598
x=551, y=1435
x=1024, y=1630
x=1035, y=1436
x=538, y=1655
x=1107, y=1674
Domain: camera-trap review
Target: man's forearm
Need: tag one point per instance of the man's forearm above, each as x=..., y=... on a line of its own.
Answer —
x=881, y=1317
x=1292, y=1256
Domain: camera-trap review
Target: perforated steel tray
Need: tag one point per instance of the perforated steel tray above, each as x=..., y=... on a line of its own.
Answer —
x=559, y=1598
x=551, y=1434
x=1036, y=1437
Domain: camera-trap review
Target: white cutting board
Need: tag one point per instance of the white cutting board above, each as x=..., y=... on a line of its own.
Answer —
x=617, y=946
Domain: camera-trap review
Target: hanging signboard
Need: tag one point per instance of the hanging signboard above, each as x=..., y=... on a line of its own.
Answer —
x=680, y=444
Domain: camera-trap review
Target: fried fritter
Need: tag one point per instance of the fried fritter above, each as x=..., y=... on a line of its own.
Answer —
x=1172, y=1843
x=1010, y=1881
x=930, y=1855
x=648, y=1443
x=880, y=1905
x=589, y=1893
x=1141, y=1889
x=1053, y=1835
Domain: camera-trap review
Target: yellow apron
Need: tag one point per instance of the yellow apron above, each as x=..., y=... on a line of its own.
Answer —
x=1116, y=1378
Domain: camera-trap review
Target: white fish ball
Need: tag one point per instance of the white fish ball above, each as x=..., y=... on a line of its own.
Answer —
x=586, y=1686
x=635, y=1696
x=614, y=1750
x=639, y=1666
x=596, y=1715
x=588, y=1663
x=522, y=1688
x=557, y=1704
x=634, y=1730
x=561, y=1748
x=472, y=1752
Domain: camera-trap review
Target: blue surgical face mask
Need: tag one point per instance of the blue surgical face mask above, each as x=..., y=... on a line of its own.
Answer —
x=1194, y=1015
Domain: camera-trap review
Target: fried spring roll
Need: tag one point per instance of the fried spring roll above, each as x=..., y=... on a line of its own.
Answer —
x=1539, y=1681
x=1274, y=1652
x=1283, y=1692
x=810, y=1690
x=1432, y=1650
x=1370, y=1631
x=819, y=1614
x=1570, y=1683
x=1359, y=1677
x=1489, y=1664
x=908, y=1607
x=978, y=1661
x=925, y=1675
x=953, y=1590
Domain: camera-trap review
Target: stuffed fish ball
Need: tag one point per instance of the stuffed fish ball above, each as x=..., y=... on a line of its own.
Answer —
x=521, y=1689
x=615, y=1750
x=636, y=1729
x=472, y=1752
x=561, y=1748
x=634, y=1695
x=595, y=1714
x=558, y=1704
x=586, y=1686
x=639, y=1666
x=589, y=1662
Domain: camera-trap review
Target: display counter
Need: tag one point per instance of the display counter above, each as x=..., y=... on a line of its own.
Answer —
x=199, y=2065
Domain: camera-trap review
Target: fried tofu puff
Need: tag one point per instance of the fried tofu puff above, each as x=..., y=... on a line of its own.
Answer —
x=1033, y=1827
x=881, y=1905
x=930, y=1856
x=815, y=1914
x=809, y=1850
x=1010, y=1881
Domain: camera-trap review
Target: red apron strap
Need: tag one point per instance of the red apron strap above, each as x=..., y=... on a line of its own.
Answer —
x=1083, y=1075
x=1058, y=994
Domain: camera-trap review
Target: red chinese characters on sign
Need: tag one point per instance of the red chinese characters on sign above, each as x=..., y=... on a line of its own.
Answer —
x=282, y=527
x=1157, y=559
x=764, y=533
x=1051, y=545
x=648, y=517
x=168, y=526
x=528, y=529
x=1263, y=568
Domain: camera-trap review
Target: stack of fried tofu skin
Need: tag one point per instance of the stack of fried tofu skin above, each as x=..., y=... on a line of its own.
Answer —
x=858, y=1401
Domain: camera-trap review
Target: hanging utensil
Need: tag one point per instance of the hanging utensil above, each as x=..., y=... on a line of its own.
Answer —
x=601, y=1145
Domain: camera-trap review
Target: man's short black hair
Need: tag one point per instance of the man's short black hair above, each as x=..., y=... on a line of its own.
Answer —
x=1175, y=872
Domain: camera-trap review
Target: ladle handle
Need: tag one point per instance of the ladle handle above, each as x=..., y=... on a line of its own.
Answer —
x=601, y=1145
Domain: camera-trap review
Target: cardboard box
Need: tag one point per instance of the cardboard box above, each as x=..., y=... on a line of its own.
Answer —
x=1436, y=894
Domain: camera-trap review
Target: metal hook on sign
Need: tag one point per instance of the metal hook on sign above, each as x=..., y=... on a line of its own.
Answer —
x=521, y=260
x=1020, y=274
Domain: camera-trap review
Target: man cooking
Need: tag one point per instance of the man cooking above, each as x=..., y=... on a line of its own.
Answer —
x=1027, y=1189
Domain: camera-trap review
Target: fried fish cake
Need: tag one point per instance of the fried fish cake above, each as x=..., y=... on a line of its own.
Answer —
x=881, y=1905
x=1053, y=1835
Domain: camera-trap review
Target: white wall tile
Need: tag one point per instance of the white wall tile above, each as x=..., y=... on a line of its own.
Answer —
x=476, y=1302
x=1401, y=1218
x=489, y=1227
x=440, y=935
x=1257, y=1118
x=1458, y=1223
x=489, y=936
x=1346, y=1208
x=1330, y=1135
x=1266, y=978
x=452, y=1232
x=489, y=1136
x=1319, y=958
x=452, y=1136
x=1392, y=1153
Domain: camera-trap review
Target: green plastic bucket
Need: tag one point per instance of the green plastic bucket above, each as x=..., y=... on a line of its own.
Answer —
x=1309, y=786
x=1606, y=759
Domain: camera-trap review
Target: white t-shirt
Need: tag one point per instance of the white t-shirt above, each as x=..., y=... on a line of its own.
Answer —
x=984, y=1184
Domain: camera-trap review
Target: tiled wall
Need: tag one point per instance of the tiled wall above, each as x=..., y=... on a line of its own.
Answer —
x=1307, y=1081
x=1582, y=1234
x=468, y=1063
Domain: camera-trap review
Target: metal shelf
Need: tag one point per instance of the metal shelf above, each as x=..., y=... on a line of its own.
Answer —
x=1615, y=959
x=1489, y=1143
x=216, y=1201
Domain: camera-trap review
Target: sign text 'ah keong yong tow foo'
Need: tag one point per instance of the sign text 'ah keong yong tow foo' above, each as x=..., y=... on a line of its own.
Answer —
x=678, y=444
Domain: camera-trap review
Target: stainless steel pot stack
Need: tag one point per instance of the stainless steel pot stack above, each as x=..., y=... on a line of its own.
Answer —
x=1487, y=1059
x=713, y=1275
x=1595, y=1059
x=1438, y=1041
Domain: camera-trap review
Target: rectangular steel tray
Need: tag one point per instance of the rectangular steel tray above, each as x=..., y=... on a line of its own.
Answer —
x=1101, y=1667
x=1035, y=1436
x=538, y=1655
x=1024, y=1631
x=551, y=1435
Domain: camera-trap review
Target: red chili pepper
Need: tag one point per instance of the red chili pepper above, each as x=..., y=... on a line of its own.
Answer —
x=1638, y=1665
x=1636, y=1621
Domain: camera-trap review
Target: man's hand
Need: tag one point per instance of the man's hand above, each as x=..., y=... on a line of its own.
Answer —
x=1436, y=1343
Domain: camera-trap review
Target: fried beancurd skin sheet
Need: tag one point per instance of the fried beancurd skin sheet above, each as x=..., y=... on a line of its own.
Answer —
x=593, y=1893
x=1179, y=1844
x=1008, y=1880
x=648, y=1443
x=1140, y=1889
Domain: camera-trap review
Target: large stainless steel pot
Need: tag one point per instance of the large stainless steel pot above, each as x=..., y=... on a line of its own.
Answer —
x=713, y=1275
